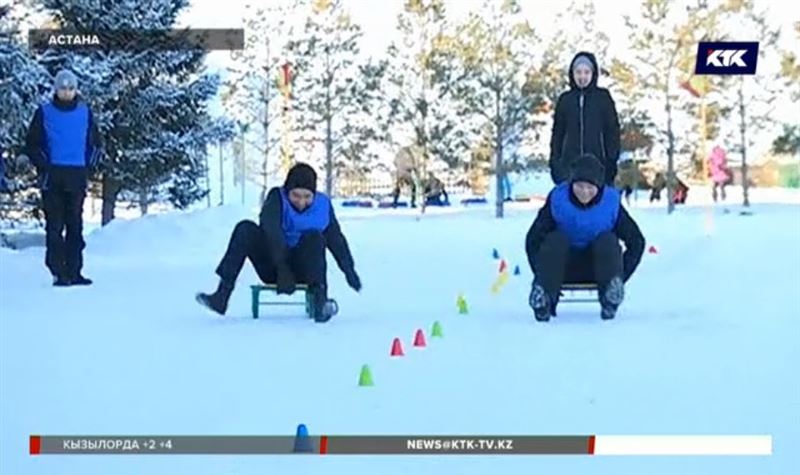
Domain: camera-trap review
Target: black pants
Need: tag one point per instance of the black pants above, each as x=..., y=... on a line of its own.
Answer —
x=248, y=241
x=721, y=187
x=63, y=210
x=556, y=263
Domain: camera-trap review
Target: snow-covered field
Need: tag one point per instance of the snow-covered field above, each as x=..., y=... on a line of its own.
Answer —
x=707, y=342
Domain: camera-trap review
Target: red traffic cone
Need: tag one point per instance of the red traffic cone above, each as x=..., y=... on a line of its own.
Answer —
x=652, y=250
x=419, y=339
x=397, y=348
x=502, y=265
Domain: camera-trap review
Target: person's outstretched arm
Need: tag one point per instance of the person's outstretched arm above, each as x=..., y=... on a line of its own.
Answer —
x=270, y=222
x=541, y=227
x=558, y=170
x=628, y=231
x=337, y=243
x=611, y=139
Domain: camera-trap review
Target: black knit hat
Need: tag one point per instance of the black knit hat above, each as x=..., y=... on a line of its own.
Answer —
x=589, y=169
x=301, y=175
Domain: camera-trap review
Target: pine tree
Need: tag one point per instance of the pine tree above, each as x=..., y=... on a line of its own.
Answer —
x=422, y=72
x=789, y=140
x=496, y=47
x=333, y=95
x=22, y=82
x=150, y=105
x=251, y=92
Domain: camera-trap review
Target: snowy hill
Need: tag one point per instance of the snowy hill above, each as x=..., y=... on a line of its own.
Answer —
x=706, y=343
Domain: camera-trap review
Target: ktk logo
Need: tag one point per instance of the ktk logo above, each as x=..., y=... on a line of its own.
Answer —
x=726, y=58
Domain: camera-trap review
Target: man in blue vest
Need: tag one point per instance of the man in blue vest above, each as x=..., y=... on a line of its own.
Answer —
x=575, y=238
x=64, y=145
x=297, y=224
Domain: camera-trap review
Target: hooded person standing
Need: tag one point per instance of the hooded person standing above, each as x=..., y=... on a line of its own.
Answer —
x=64, y=145
x=585, y=122
x=575, y=239
x=719, y=172
x=287, y=247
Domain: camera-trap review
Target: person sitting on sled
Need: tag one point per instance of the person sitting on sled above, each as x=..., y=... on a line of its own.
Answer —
x=435, y=191
x=575, y=239
x=287, y=247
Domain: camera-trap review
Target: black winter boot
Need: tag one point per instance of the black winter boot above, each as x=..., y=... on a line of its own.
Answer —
x=540, y=303
x=611, y=298
x=322, y=308
x=218, y=301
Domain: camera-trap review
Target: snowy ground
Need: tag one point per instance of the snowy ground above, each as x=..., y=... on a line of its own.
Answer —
x=706, y=343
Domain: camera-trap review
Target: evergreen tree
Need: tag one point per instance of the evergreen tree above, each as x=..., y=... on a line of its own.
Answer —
x=496, y=46
x=150, y=105
x=22, y=81
x=333, y=95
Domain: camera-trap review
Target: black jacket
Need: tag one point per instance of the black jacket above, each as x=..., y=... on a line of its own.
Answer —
x=57, y=177
x=270, y=220
x=625, y=228
x=585, y=121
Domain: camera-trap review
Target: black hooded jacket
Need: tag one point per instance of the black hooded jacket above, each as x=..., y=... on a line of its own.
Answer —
x=585, y=121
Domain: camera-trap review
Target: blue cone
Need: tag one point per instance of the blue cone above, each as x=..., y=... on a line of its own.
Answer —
x=302, y=443
x=495, y=254
x=516, y=270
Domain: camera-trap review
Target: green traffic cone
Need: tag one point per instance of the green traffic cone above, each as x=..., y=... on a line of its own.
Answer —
x=436, y=331
x=365, y=379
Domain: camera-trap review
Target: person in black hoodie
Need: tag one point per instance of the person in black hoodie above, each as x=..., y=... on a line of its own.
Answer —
x=575, y=238
x=64, y=145
x=288, y=245
x=585, y=122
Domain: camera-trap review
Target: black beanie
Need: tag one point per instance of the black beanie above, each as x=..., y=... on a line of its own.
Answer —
x=301, y=176
x=589, y=169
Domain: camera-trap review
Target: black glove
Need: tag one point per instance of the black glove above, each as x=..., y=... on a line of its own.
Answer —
x=353, y=280
x=285, y=283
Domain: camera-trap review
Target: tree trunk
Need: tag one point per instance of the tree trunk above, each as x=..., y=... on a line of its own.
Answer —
x=111, y=189
x=144, y=201
x=329, y=156
x=670, y=158
x=743, y=132
x=498, y=166
x=221, y=176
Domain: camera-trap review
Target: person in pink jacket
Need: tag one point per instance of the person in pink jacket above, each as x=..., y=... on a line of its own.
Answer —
x=719, y=172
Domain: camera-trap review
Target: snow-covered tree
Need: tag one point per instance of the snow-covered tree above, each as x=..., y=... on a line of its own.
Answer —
x=496, y=49
x=251, y=92
x=21, y=84
x=151, y=105
x=422, y=71
x=333, y=96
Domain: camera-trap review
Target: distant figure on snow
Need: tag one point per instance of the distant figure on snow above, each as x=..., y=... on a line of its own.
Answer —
x=719, y=172
x=435, y=193
x=575, y=239
x=64, y=145
x=287, y=247
x=585, y=122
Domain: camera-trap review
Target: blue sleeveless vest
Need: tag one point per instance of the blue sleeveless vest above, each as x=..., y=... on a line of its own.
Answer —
x=314, y=218
x=66, y=133
x=583, y=225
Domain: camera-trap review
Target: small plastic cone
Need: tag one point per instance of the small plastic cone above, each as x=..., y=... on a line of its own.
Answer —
x=365, y=378
x=302, y=443
x=652, y=250
x=397, y=348
x=502, y=265
x=495, y=254
x=516, y=270
x=436, y=331
x=419, y=339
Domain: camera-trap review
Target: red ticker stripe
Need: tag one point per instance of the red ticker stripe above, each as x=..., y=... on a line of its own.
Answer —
x=591, y=444
x=36, y=445
x=323, y=444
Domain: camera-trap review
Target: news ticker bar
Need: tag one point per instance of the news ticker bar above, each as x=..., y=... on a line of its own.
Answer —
x=396, y=445
x=209, y=39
